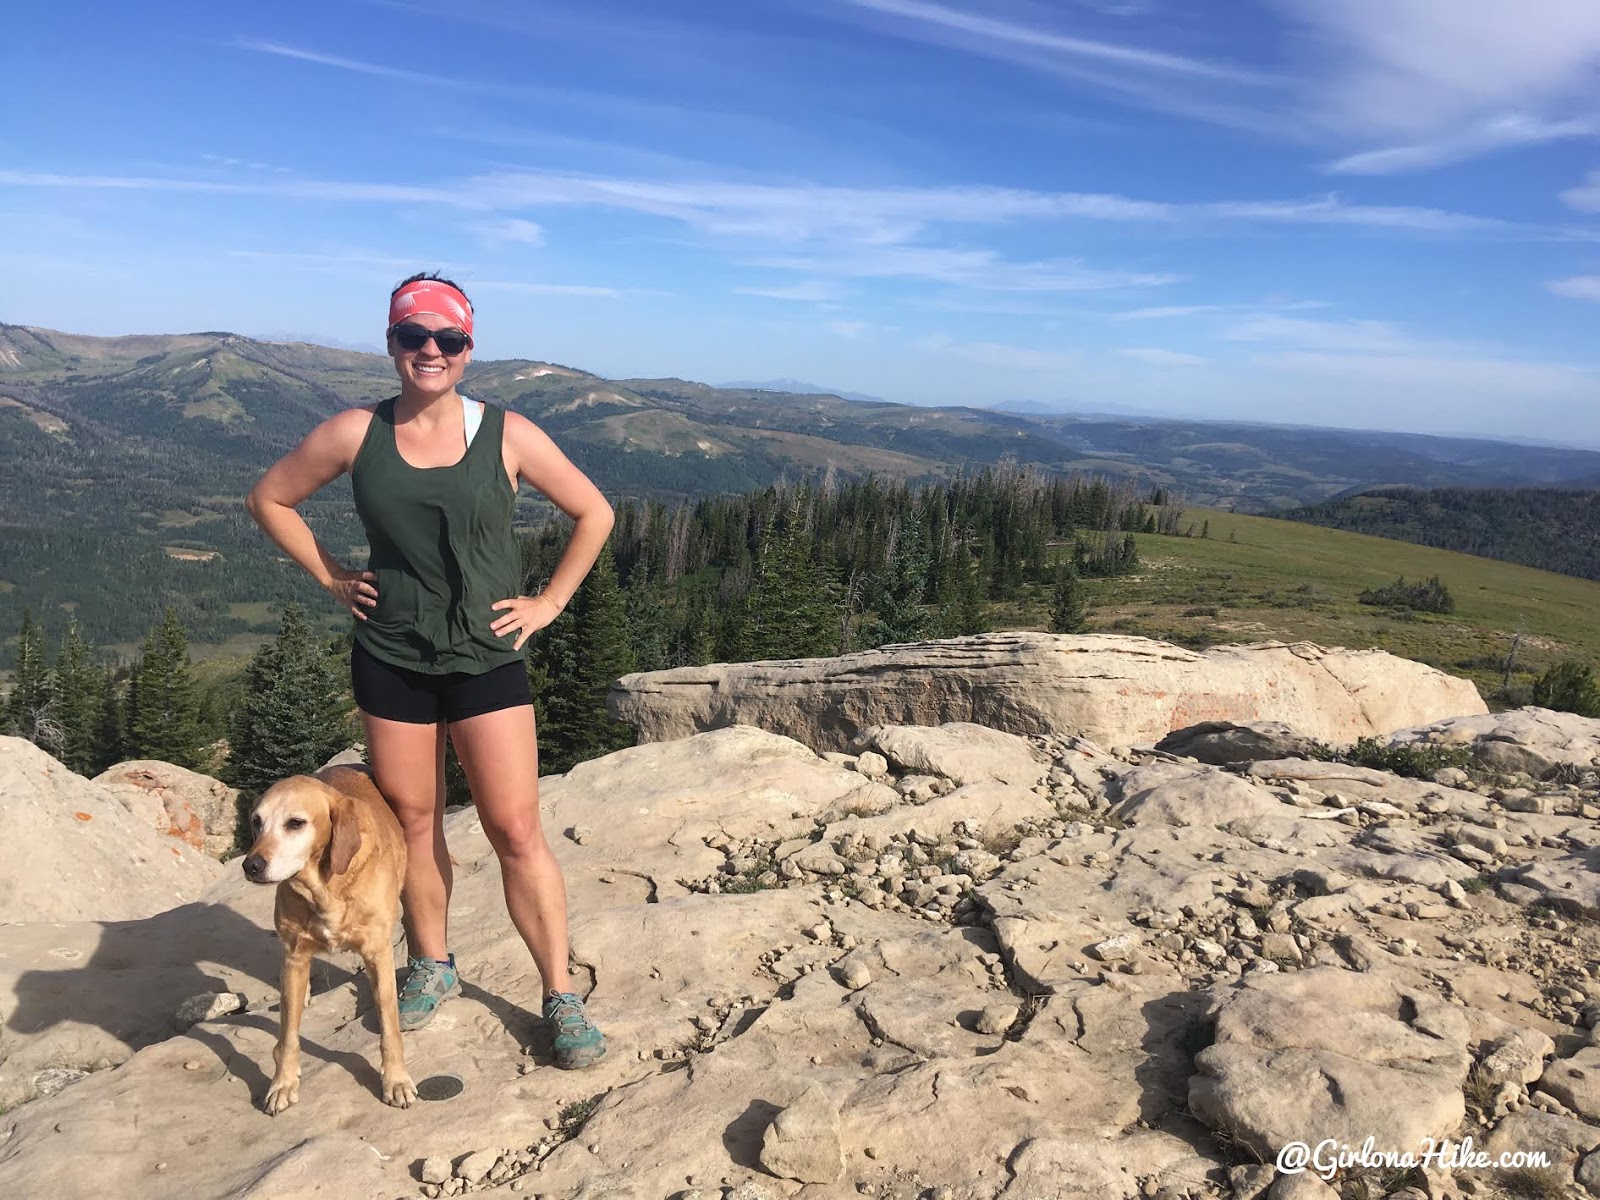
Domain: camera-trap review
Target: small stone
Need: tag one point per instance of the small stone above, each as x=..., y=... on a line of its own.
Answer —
x=581, y=834
x=475, y=1166
x=1115, y=948
x=435, y=1169
x=998, y=1018
x=192, y=1064
x=207, y=1006
x=52, y=1079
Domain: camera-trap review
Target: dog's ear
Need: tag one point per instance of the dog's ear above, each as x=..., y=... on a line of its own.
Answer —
x=345, y=837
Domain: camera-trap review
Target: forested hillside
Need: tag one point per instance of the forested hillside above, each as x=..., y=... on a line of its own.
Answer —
x=1550, y=528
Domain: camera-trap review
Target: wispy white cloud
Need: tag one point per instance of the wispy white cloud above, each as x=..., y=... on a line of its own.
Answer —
x=851, y=330
x=361, y=67
x=1156, y=356
x=814, y=290
x=544, y=289
x=1354, y=336
x=1586, y=196
x=1431, y=81
x=512, y=229
x=1496, y=133
x=1161, y=312
x=812, y=212
x=981, y=30
x=1430, y=67
x=1577, y=287
x=1004, y=356
x=982, y=269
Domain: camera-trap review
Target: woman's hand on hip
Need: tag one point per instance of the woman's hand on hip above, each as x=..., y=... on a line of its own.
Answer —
x=356, y=590
x=527, y=614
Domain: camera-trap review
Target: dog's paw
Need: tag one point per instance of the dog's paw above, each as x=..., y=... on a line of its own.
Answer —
x=399, y=1092
x=281, y=1095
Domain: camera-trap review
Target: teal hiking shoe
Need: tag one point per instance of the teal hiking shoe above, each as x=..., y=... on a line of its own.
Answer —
x=578, y=1042
x=430, y=983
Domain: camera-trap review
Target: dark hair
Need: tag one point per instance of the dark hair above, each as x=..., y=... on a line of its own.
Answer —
x=434, y=276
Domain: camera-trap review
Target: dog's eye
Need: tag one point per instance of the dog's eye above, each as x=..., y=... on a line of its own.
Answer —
x=255, y=822
x=295, y=823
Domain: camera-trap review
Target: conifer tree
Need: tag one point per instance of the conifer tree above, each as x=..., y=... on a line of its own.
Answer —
x=293, y=714
x=790, y=610
x=900, y=617
x=77, y=686
x=587, y=650
x=163, y=718
x=110, y=736
x=28, y=708
x=1069, y=607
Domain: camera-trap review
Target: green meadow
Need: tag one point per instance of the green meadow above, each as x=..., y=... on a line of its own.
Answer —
x=1256, y=578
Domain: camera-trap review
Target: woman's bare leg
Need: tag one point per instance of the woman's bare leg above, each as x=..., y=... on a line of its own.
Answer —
x=500, y=755
x=408, y=764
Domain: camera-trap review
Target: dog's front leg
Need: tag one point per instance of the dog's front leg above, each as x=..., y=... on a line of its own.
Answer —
x=292, y=989
x=397, y=1087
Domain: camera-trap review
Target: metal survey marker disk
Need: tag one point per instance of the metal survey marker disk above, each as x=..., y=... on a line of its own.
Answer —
x=441, y=1087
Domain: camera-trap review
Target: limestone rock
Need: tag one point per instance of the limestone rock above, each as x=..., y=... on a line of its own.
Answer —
x=195, y=808
x=1307, y=1055
x=1532, y=740
x=1110, y=688
x=1575, y=1082
x=962, y=753
x=84, y=856
x=803, y=1140
x=1223, y=742
x=1179, y=794
x=207, y=1006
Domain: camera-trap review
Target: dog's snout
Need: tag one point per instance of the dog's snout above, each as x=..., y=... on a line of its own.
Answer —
x=255, y=867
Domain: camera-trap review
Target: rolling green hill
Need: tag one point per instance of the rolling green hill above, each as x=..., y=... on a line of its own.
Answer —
x=1258, y=578
x=123, y=461
x=1554, y=529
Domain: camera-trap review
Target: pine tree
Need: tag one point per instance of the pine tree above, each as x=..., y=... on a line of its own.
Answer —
x=1569, y=686
x=1069, y=608
x=110, y=737
x=960, y=596
x=77, y=686
x=163, y=720
x=791, y=606
x=29, y=711
x=900, y=617
x=587, y=651
x=293, y=714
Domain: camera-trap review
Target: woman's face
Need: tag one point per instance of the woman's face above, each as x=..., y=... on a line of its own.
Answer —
x=426, y=371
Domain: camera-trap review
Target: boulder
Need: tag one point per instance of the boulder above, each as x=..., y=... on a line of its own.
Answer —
x=1328, y=1053
x=195, y=808
x=802, y=1143
x=1174, y=794
x=76, y=854
x=962, y=753
x=1110, y=688
x=1532, y=740
x=1223, y=742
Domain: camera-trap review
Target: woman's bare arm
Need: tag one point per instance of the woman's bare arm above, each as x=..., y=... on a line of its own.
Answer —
x=541, y=462
x=321, y=457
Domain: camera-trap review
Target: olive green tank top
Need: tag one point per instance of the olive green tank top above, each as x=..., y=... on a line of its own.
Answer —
x=442, y=548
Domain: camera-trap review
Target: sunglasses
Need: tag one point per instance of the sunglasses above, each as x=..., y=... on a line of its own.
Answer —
x=451, y=342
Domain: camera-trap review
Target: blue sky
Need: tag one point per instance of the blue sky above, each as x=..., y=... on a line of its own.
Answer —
x=1371, y=213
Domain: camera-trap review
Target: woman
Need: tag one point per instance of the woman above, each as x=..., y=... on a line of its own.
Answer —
x=440, y=627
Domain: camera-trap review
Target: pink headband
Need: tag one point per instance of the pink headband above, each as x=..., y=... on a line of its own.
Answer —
x=435, y=297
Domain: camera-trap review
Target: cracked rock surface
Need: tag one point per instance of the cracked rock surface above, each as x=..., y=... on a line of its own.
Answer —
x=945, y=965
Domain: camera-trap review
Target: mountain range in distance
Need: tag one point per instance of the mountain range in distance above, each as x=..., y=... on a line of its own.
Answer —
x=124, y=459
x=798, y=387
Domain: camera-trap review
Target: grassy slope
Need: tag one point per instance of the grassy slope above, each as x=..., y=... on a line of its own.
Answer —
x=1284, y=580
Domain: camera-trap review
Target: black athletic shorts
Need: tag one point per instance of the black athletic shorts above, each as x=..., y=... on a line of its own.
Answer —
x=396, y=694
